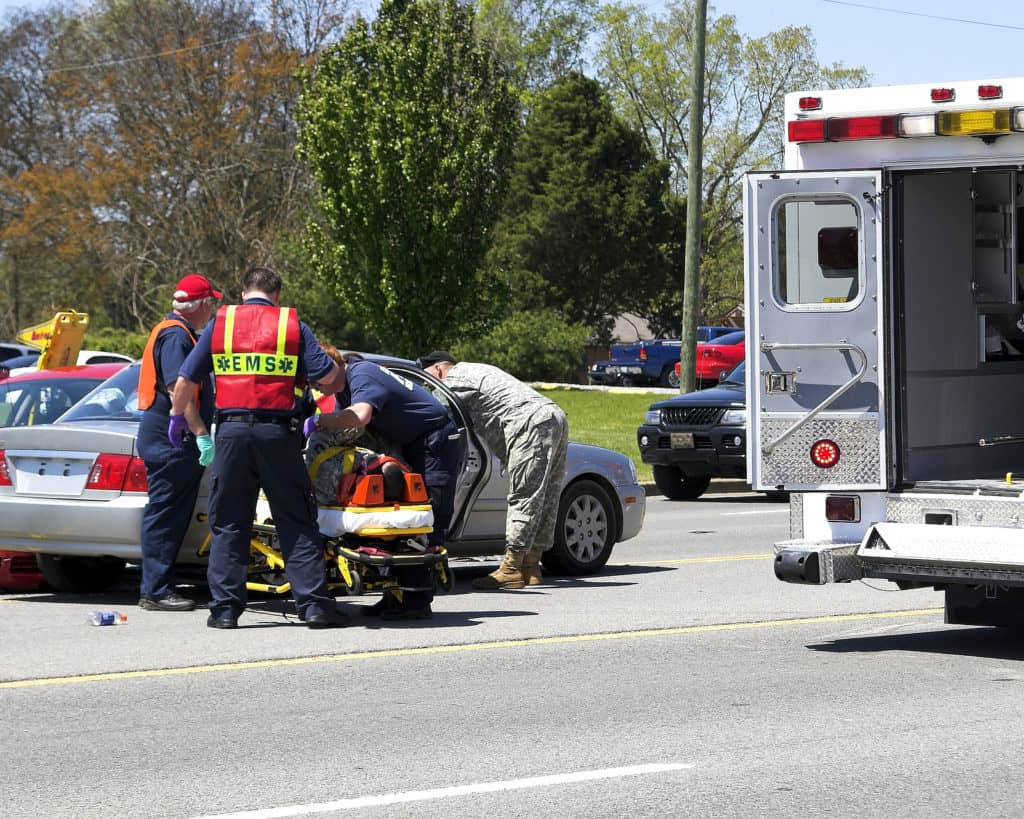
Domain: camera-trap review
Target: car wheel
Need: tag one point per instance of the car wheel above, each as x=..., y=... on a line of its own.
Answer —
x=674, y=485
x=669, y=378
x=65, y=573
x=584, y=531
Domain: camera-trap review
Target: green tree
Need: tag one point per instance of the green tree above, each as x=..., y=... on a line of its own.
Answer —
x=582, y=226
x=143, y=139
x=535, y=345
x=540, y=41
x=408, y=125
x=645, y=59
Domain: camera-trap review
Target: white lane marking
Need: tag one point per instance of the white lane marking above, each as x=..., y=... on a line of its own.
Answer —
x=756, y=512
x=455, y=790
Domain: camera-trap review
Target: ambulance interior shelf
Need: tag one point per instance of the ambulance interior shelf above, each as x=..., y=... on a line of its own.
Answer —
x=998, y=264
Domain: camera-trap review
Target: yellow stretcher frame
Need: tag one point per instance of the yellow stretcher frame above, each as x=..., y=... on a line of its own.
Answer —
x=345, y=570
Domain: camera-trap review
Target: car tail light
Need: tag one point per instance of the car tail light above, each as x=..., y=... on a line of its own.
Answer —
x=825, y=453
x=122, y=473
x=5, y=474
x=842, y=508
x=943, y=95
x=643, y=353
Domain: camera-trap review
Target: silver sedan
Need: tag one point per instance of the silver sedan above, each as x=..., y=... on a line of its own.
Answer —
x=73, y=493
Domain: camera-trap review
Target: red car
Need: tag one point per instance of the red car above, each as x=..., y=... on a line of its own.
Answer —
x=719, y=356
x=38, y=398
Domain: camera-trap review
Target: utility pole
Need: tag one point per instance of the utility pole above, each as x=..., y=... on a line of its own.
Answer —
x=694, y=183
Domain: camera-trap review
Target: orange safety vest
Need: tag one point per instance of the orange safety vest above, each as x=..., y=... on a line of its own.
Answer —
x=147, y=372
x=256, y=357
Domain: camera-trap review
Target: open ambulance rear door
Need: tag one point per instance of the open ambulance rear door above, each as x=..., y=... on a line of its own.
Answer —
x=815, y=380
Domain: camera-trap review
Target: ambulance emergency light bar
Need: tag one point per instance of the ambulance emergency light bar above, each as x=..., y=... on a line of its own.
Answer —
x=991, y=122
x=981, y=122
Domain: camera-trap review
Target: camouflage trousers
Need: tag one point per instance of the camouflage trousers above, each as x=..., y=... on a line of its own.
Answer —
x=536, y=466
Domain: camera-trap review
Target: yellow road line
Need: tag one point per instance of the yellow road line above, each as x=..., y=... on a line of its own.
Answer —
x=718, y=559
x=451, y=649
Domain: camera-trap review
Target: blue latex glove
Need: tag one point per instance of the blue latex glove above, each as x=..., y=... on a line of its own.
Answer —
x=176, y=430
x=310, y=426
x=205, y=444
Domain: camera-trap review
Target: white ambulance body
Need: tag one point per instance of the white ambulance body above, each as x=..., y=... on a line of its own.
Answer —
x=885, y=340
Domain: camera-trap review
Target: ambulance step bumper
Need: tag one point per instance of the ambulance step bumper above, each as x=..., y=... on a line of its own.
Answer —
x=816, y=562
x=914, y=552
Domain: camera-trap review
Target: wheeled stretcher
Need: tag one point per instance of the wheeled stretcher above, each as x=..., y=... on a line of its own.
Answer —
x=373, y=528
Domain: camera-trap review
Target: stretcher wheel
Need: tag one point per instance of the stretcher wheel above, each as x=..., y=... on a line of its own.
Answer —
x=357, y=586
x=445, y=576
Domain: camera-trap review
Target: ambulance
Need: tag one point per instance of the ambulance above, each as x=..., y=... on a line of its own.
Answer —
x=885, y=340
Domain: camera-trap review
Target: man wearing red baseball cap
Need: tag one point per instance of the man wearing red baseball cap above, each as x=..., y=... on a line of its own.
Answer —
x=172, y=475
x=194, y=287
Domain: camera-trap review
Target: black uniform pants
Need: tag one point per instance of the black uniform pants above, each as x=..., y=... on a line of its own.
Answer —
x=250, y=455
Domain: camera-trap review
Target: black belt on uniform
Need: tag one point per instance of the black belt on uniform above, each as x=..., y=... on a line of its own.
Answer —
x=251, y=418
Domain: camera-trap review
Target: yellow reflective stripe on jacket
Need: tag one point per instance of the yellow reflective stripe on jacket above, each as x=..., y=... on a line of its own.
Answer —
x=282, y=328
x=229, y=330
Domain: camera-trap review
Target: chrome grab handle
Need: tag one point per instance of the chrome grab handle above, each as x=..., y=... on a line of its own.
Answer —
x=842, y=347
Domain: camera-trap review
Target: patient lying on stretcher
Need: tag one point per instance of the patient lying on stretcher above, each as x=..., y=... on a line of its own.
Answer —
x=361, y=490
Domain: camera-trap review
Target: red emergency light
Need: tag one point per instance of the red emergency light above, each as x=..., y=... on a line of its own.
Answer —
x=825, y=454
x=806, y=130
x=874, y=127
x=943, y=95
x=810, y=103
x=990, y=92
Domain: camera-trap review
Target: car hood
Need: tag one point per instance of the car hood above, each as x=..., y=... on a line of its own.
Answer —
x=728, y=394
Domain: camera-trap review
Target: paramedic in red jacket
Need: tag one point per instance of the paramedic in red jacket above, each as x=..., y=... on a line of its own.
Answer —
x=261, y=357
x=172, y=475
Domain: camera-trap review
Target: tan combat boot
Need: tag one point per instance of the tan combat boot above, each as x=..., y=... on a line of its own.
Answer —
x=509, y=575
x=531, y=568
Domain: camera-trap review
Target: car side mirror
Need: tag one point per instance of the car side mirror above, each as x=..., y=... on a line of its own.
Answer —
x=722, y=375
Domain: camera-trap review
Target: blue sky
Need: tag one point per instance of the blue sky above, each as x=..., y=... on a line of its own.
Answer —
x=896, y=48
x=899, y=48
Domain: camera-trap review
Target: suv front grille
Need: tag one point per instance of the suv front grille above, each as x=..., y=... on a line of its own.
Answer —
x=690, y=416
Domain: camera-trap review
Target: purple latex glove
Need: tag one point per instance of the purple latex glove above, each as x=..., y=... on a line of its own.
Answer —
x=176, y=430
x=310, y=426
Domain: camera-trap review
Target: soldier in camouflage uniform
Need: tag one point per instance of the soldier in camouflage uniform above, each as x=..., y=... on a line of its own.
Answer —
x=530, y=434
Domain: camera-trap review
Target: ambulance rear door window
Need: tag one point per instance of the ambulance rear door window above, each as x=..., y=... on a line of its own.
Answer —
x=817, y=252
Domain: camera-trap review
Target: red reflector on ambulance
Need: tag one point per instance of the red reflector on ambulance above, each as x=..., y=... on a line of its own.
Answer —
x=943, y=95
x=877, y=127
x=825, y=454
x=810, y=103
x=806, y=130
x=990, y=92
x=842, y=508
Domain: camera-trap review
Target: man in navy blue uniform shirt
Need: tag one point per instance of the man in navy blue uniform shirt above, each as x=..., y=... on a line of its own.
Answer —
x=429, y=441
x=172, y=475
x=261, y=356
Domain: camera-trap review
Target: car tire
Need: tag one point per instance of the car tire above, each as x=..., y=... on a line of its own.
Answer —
x=674, y=485
x=584, y=530
x=66, y=573
x=669, y=378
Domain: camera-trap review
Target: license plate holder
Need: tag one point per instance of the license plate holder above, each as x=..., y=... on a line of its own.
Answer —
x=681, y=440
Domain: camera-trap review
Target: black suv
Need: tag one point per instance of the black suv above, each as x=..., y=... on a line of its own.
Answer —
x=693, y=438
